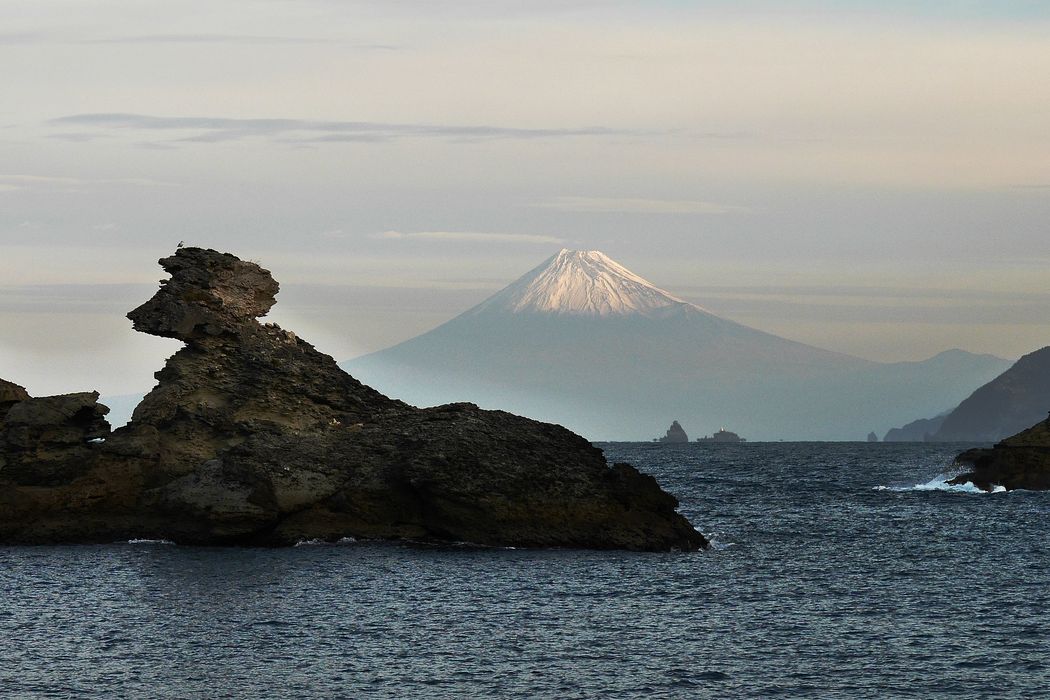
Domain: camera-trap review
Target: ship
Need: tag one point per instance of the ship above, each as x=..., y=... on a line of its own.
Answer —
x=722, y=435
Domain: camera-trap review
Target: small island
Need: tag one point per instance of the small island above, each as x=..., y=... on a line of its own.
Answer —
x=253, y=437
x=723, y=435
x=675, y=434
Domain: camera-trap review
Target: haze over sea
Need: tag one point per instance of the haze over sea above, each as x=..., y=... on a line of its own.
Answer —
x=838, y=570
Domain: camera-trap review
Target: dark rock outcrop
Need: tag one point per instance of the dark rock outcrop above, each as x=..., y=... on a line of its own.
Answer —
x=1017, y=398
x=10, y=394
x=1018, y=462
x=50, y=440
x=674, y=434
x=252, y=436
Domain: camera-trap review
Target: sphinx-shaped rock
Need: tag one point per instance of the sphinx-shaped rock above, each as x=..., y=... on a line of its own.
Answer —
x=252, y=436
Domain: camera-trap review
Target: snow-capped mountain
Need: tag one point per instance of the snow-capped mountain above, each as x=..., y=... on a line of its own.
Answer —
x=583, y=341
x=581, y=283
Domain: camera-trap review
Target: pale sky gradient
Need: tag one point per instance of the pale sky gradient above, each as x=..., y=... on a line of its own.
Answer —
x=870, y=177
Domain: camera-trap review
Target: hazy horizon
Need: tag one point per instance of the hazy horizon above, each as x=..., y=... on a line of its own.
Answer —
x=871, y=178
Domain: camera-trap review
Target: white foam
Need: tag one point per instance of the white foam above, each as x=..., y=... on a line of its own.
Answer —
x=316, y=542
x=148, y=541
x=940, y=483
x=716, y=544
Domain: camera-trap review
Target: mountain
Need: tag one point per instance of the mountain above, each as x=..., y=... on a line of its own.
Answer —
x=1011, y=402
x=582, y=341
x=920, y=430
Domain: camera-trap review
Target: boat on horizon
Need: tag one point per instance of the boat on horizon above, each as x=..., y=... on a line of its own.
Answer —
x=723, y=435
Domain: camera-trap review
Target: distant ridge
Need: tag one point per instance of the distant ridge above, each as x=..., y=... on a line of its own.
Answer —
x=1013, y=401
x=583, y=341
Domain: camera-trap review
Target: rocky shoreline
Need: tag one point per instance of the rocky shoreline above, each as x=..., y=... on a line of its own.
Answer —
x=1018, y=462
x=253, y=437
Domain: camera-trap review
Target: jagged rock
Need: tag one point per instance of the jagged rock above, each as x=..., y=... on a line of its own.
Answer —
x=48, y=440
x=252, y=436
x=10, y=394
x=674, y=434
x=1018, y=462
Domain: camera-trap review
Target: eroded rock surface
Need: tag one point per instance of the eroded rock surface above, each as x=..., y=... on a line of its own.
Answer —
x=1018, y=462
x=676, y=433
x=252, y=436
x=10, y=394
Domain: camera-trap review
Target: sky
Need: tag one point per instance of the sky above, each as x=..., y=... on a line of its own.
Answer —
x=868, y=177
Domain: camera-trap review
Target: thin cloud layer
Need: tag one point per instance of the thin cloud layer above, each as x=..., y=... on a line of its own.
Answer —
x=639, y=206
x=469, y=236
x=246, y=39
x=12, y=182
x=219, y=129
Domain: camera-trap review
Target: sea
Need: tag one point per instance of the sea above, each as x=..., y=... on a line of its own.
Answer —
x=837, y=570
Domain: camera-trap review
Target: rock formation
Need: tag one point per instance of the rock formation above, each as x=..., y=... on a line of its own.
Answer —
x=674, y=434
x=872, y=437
x=252, y=436
x=10, y=394
x=1018, y=462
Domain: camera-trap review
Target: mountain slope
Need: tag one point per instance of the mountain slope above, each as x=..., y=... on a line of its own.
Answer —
x=582, y=341
x=1011, y=402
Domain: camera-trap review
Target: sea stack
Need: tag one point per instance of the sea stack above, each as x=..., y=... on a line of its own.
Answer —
x=253, y=437
x=674, y=434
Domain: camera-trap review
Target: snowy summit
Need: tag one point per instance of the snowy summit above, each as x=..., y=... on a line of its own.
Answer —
x=581, y=283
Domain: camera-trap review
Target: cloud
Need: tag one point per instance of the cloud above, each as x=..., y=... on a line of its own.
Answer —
x=78, y=136
x=19, y=38
x=191, y=38
x=638, y=206
x=470, y=236
x=244, y=39
x=218, y=129
x=54, y=183
x=59, y=180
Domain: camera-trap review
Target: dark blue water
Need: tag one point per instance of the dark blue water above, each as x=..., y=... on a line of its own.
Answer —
x=819, y=585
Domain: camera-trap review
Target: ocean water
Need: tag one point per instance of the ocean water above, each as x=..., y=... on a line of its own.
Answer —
x=838, y=571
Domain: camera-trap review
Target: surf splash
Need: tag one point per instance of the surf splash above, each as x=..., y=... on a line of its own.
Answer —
x=940, y=483
x=316, y=542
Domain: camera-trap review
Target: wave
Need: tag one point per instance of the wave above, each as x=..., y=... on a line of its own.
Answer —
x=144, y=540
x=940, y=483
x=717, y=544
x=318, y=542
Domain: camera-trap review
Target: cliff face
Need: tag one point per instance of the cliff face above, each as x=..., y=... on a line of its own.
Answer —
x=1017, y=398
x=252, y=436
x=1018, y=462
